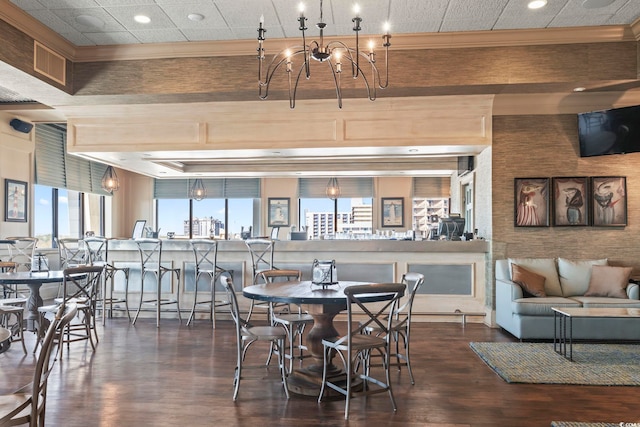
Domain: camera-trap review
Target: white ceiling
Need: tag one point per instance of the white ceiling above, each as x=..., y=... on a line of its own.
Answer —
x=109, y=22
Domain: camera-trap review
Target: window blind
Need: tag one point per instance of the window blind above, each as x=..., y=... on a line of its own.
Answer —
x=431, y=186
x=349, y=187
x=57, y=168
x=216, y=188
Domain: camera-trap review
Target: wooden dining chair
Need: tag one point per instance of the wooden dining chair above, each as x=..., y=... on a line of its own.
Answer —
x=354, y=348
x=28, y=404
x=247, y=335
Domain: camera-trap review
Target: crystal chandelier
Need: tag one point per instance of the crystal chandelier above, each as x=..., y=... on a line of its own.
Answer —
x=335, y=54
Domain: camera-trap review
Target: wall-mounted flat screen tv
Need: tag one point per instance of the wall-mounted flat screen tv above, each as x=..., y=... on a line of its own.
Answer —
x=614, y=131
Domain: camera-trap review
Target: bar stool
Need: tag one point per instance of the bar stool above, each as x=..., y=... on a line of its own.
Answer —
x=98, y=248
x=261, y=252
x=150, y=251
x=205, y=253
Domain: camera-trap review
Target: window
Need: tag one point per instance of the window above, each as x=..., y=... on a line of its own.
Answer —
x=61, y=213
x=430, y=203
x=67, y=192
x=217, y=215
x=353, y=209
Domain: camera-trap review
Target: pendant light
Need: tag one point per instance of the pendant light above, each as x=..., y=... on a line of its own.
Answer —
x=110, y=181
x=197, y=190
x=333, y=189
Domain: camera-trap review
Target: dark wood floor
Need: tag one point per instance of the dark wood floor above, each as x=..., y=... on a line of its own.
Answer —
x=182, y=376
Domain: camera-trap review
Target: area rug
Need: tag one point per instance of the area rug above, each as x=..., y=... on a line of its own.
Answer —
x=537, y=363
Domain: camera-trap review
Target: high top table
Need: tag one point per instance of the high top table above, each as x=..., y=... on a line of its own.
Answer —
x=34, y=281
x=323, y=302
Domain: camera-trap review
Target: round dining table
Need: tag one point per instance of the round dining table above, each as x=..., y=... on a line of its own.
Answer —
x=34, y=281
x=323, y=303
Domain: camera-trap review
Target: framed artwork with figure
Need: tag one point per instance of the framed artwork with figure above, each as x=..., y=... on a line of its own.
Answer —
x=278, y=211
x=531, y=202
x=571, y=201
x=16, y=194
x=609, y=201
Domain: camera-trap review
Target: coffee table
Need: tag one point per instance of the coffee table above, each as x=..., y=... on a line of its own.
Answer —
x=563, y=320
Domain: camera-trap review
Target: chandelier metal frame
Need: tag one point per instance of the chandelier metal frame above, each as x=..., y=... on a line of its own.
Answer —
x=334, y=53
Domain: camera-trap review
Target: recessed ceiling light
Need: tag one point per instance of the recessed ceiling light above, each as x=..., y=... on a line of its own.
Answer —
x=89, y=21
x=142, y=19
x=579, y=89
x=537, y=4
x=195, y=16
x=595, y=4
x=413, y=150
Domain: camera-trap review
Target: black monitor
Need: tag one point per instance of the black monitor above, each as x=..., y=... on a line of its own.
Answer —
x=451, y=228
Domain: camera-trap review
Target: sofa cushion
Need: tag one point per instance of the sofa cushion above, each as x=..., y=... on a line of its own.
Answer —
x=541, y=306
x=530, y=282
x=545, y=267
x=575, y=275
x=608, y=281
x=595, y=302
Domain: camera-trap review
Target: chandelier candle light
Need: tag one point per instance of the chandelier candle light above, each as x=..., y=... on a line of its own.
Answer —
x=335, y=54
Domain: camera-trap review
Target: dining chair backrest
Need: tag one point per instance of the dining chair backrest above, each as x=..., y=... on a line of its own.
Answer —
x=378, y=315
x=150, y=251
x=97, y=249
x=241, y=324
x=22, y=251
x=73, y=252
x=205, y=254
x=261, y=252
x=32, y=409
x=414, y=282
x=270, y=276
x=82, y=283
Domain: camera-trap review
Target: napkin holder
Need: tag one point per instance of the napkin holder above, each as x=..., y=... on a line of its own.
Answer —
x=324, y=272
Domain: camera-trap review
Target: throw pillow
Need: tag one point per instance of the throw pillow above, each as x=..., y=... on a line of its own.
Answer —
x=607, y=281
x=575, y=275
x=530, y=282
x=545, y=267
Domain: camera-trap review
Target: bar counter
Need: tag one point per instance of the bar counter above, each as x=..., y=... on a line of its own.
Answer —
x=454, y=270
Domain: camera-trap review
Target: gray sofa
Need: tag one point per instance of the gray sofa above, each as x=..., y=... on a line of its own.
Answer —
x=566, y=282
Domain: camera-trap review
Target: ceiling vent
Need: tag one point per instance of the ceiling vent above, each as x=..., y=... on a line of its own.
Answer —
x=49, y=64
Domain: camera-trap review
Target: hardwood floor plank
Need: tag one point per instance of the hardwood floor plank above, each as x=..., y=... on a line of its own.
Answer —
x=182, y=376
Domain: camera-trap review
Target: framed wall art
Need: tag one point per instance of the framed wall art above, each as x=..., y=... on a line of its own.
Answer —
x=278, y=211
x=531, y=202
x=16, y=194
x=571, y=201
x=393, y=212
x=609, y=201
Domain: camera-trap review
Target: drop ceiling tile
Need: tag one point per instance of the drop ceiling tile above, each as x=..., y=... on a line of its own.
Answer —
x=77, y=38
x=209, y=34
x=578, y=21
x=68, y=4
x=28, y=4
x=69, y=17
x=121, y=37
x=179, y=14
x=417, y=11
x=124, y=2
x=125, y=15
x=168, y=35
x=51, y=20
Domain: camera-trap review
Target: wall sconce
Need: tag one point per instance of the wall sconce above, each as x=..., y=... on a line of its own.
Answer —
x=110, y=181
x=333, y=189
x=197, y=190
